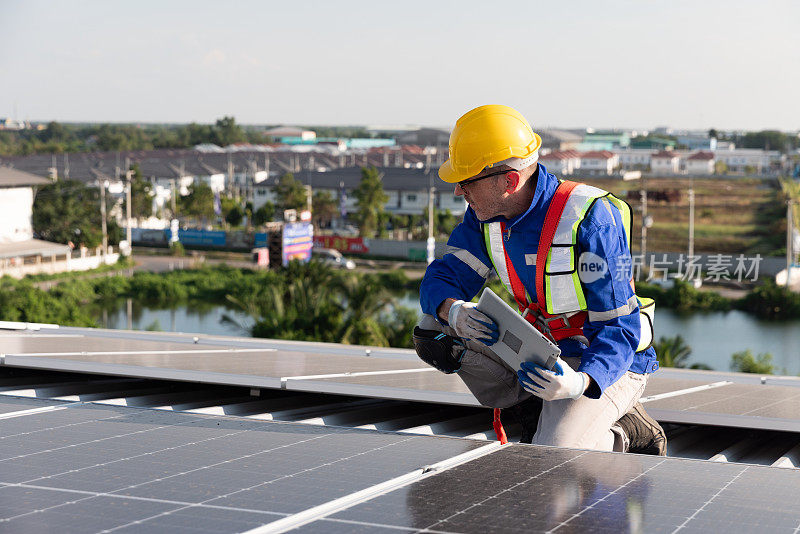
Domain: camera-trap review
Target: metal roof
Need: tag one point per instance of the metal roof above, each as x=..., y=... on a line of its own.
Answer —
x=14, y=178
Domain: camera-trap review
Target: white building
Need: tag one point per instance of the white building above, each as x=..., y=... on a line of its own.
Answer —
x=599, y=162
x=745, y=160
x=634, y=158
x=564, y=162
x=20, y=252
x=700, y=163
x=665, y=162
x=291, y=131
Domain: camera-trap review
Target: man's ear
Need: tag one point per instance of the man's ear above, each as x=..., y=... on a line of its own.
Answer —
x=512, y=181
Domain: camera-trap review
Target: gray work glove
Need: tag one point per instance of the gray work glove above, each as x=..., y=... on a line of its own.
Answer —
x=469, y=323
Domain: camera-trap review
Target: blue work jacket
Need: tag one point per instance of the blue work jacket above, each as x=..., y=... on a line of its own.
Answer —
x=466, y=266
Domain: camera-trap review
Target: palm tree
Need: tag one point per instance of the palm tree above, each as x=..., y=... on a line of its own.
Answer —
x=672, y=351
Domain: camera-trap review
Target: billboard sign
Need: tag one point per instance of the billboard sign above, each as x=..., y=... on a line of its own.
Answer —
x=348, y=245
x=298, y=239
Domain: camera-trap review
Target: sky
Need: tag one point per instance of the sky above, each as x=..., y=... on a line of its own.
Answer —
x=615, y=63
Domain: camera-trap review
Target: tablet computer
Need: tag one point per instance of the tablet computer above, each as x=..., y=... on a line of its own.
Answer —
x=519, y=341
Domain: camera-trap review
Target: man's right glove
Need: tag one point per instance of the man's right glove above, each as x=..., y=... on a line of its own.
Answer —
x=469, y=323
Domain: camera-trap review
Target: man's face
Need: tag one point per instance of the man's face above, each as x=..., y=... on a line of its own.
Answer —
x=485, y=196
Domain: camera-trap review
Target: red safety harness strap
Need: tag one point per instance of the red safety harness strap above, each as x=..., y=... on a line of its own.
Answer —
x=551, y=221
x=517, y=288
x=499, y=431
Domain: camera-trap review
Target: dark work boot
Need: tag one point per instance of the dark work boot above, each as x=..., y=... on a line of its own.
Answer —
x=644, y=433
x=526, y=413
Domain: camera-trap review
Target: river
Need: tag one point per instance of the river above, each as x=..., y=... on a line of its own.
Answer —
x=713, y=337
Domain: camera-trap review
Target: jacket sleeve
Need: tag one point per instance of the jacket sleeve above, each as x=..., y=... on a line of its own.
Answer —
x=462, y=271
x=613, y=325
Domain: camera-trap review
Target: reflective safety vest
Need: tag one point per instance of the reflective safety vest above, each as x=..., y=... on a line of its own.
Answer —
x=562, y=312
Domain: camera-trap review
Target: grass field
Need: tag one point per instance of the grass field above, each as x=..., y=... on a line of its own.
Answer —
x=744, y=216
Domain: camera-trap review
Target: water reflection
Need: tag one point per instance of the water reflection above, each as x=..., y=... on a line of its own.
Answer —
x=194, y=317
x=715, y=336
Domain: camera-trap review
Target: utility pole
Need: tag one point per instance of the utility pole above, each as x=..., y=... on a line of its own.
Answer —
x=789, y=254
x=129, y=176
x=66, y=166
x=643, y=193
x=174, y=202
x=431, y=239
x=691, y=219
x=230, y=174
x=103, y=186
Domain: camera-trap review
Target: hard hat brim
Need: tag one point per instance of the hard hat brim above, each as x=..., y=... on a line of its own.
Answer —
x=448, y=174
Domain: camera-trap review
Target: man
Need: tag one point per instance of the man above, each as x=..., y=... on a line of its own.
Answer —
x=562, y=250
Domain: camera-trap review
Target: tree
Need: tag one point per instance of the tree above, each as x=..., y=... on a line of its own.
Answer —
x=768, y=140
x=325, y=208
x=672, y=351
x=69, y=211
x=290, y=193
x=141, y=195
x=371, y=201
x=234, y=215
x=713, y=133
x=228, y=132
x=199, y=203
x=264, y=214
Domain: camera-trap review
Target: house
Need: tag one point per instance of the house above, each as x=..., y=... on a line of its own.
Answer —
x=604, y=141
x=653, y=142
x=601, y=162
x=750, y=160
x=425, y=137
x=698, y=142
x=563, y=162
x=634, y=158
x=20, y=252
x=557, y=140
x=665, y=162
x=291, y=133
x=700, y=163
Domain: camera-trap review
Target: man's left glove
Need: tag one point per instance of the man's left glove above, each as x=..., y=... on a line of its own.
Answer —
x=560, y=383
x=469, y=323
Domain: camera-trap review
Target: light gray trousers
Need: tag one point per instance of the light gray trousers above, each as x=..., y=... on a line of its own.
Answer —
x=583, y=423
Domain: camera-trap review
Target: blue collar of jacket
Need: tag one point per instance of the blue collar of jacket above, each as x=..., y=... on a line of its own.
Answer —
x=546, y=184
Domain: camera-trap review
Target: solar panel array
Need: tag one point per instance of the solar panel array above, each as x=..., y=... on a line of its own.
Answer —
x=85, y=467
x=679, y=396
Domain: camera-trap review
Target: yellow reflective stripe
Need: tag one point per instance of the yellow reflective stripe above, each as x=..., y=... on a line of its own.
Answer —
x=470, y=260
x=497, y=252
x=625, y=214
x=626, y=309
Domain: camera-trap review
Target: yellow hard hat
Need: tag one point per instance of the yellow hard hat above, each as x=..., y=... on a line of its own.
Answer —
x=486, y=136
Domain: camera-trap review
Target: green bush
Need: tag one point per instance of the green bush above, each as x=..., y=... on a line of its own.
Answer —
x=745, y=362
x=771, y=301
x=683, y=297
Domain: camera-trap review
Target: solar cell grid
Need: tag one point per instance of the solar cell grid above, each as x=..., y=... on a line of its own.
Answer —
x=155, y=469
x=525, y=489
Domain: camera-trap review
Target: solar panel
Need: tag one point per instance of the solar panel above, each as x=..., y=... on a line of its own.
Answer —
x=740, y=405
x=724, y=399
x=147, y=358
x=89, y=468
x=530, y=489
x=424, y=387
x=8, y=405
